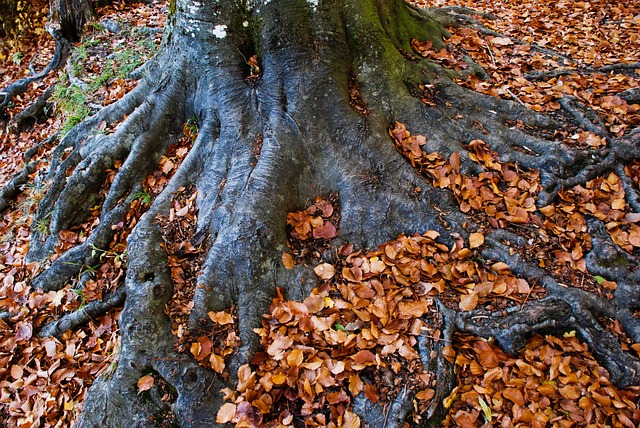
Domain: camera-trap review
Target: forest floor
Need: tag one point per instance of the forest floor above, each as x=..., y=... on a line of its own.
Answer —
x=551, y=382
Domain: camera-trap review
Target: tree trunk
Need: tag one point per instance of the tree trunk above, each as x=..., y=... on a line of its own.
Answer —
x=310, y=118
x=67, y=17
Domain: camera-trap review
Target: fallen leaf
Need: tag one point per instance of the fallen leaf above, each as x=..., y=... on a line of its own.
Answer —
x=469, y=301
x=226, y=413
x=325, y=271
x=476, y=239
x=287, y=261
x=145, y=383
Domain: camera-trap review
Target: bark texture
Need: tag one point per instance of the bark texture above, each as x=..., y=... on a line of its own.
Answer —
x=68, y=16
x=316, y=138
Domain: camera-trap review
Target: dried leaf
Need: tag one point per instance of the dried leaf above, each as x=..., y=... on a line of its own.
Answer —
x=287, y=261
x=514, y=395
x=469, y=302
x=217, y=363
x=222, y=317
x=476, y=240
x=145, y=383
x=325, y=271
x=226, y=413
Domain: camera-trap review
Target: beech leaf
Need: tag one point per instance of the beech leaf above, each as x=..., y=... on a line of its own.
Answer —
x=325, y=271
x=145, y=383
x=226, y=413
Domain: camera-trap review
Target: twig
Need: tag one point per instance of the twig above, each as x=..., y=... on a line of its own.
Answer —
x=493, y=61
x=514, y=96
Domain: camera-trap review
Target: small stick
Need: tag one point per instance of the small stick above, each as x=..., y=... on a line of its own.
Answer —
x=493, y=61
x=514, y=96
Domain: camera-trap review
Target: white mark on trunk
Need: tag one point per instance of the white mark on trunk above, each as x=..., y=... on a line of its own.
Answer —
x=220, y=31
x=314, y=4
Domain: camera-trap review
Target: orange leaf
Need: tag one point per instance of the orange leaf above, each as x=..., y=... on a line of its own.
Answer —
x=217, y=363
x=295, y=357
x=222, y=318
x=469, y=302
x=287, y=261
x=226, y=413
x=355, y=384
x=425, y=394
x=514, y=395
x=475, y=240
x=145, y=383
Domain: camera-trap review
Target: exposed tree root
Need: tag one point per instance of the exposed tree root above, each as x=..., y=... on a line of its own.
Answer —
x=546, y=75
x=35, y=110
x=21, y=86
x=564, y=310
x=84, y=315
x=268, y=146
x=12, y=188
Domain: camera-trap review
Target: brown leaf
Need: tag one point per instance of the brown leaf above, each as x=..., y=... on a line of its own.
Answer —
x=355, y=384
x=364, y=356
x=454, y=160
x=314, y=303
x=325, y=271
x=16, y=372
x=326, y=231
x=469, y=302
x=279, y=345
x=476, y=239
x=287, y=261
x=350, y=420
x=514, y=395
x=145, y=383
x=371, y=393
x=222, y=317
x=226, y=413
x=413, y=309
